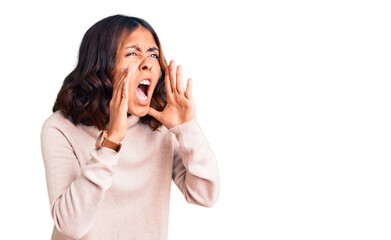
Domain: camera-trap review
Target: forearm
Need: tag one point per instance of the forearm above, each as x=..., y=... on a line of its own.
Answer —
x=199, y=179
x=74, y=210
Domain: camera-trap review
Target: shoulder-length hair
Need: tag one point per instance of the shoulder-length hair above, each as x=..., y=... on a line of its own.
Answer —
x=86, y=92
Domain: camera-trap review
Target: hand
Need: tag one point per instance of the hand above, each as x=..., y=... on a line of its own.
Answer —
x=180, y=106
x=118, y=125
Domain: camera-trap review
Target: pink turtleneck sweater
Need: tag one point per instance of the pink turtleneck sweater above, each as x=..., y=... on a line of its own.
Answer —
x=101, y=194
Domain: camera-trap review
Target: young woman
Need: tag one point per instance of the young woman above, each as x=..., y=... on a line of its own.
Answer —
x=122, y=127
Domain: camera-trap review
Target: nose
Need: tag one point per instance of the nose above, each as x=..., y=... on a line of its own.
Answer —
x=145, y=65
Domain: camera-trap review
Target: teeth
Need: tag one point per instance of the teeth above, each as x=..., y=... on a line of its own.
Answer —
x=145, y=82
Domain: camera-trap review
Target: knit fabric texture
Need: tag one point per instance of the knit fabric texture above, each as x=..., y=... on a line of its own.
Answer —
x=99, y=194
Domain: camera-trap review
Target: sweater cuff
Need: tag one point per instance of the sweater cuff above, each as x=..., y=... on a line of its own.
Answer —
x=100, y=168
x=106, y=155
x=188, y=134
x=190, y=127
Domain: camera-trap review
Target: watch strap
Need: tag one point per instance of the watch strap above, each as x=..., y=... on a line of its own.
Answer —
x=109, y=144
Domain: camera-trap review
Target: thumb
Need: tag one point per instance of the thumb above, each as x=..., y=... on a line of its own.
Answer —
x=154, y=113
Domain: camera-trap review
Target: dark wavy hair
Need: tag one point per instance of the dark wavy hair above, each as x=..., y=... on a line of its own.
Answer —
x=86, y=92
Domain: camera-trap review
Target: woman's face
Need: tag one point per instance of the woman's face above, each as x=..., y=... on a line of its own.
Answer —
x=140, y=54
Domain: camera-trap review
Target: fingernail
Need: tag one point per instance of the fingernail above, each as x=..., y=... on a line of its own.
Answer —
x=127, y=69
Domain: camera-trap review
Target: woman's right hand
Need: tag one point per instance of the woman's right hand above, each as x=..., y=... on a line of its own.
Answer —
x=118, y=125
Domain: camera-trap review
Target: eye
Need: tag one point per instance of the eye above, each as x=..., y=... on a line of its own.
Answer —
x=154, y=55
x=131, y=54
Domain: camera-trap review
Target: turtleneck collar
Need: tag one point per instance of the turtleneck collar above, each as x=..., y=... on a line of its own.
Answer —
x=132, y=120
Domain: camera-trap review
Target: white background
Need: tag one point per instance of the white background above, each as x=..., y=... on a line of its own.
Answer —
x=293, y=96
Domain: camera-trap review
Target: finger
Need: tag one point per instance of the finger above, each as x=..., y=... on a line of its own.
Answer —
x=116, y=88
x=123, y=104
x=125, y=89
x=154, y=113
x=117, y=78
x=167, y=84
x=179, y=87
x=189, y=89
x=167, y=80
x=172, y=75
x=119, y=86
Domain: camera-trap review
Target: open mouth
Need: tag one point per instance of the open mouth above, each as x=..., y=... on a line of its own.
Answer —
x=142, y=89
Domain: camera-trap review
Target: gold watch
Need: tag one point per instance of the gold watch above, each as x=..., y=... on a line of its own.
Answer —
x=102, y=141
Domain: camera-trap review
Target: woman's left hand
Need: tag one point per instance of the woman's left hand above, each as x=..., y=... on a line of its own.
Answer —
x=180, y=106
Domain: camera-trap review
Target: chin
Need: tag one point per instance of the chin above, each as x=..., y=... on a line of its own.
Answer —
x=139, y=111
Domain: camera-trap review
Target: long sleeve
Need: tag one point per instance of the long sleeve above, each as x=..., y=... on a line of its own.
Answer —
x=195, y=169
x=75, y=192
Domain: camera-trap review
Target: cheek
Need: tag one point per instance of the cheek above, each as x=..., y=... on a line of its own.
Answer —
x=131, y=92
x=157, y=72
x=129, y=63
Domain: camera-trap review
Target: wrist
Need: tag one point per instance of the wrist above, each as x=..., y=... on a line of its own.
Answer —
x=114, y=139
x=104, y=141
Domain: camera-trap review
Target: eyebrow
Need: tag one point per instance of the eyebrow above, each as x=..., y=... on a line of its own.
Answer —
x=151, y=49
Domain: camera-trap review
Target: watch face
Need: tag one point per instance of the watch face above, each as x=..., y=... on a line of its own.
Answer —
x=99, y=141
